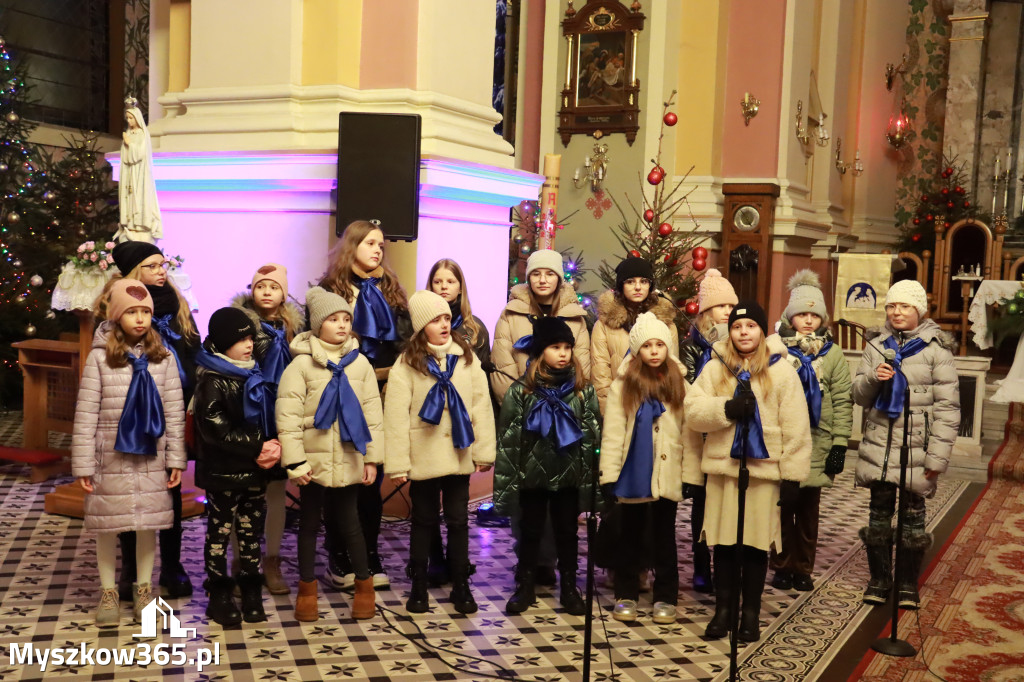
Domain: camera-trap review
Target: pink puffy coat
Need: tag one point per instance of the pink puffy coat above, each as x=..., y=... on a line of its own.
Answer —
x=130, y=491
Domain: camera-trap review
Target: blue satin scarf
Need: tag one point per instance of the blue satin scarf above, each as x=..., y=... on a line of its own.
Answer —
x=635, y=476
x=754, y=446
x=278, y=356
x=433, y=406
x=890, y=398
x=169, y=336
x=339, y=403
x=550, y=416
x=142, y=417
x=372, y=318
x=705, y=352
x=809, y=379
x=258, y=394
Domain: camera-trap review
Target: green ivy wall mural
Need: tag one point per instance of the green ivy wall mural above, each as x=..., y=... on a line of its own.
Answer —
x=136, y=52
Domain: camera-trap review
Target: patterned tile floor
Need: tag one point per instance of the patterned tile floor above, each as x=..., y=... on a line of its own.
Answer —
x=48, y=590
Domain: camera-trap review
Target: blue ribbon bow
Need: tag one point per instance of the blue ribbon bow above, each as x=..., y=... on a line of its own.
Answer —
x=433, y=406
x=523, y=343
x=278, y=356
x=809, y=379
x=754, y=446
x=142, y=417
x=169, y=336
x=550, y=413
x=258, y=394
x=339, y=403
x=372, y=318
x=457, y=320
x=705, y=352
x=635, y=477
x=890, y=398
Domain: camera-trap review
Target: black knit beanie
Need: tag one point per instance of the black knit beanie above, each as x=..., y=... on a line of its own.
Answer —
x=750, y=310
x=633, y=267
x=547, y=331
x=128, y=255
x=228, y=326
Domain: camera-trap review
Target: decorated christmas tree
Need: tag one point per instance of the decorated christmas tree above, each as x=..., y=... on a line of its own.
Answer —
x=946, y=198
x=81, y=194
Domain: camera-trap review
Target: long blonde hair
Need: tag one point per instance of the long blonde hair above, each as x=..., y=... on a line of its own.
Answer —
x=183, y=318
x=117, y=346
x=640, y=382
x=757, y=363
x=342, y=257
x=416, y=351
x=467, y=312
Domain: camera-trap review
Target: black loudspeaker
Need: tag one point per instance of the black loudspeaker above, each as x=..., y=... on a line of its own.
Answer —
x=379, y=172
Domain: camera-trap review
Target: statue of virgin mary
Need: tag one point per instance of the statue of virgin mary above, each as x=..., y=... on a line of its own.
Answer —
x=140, y=212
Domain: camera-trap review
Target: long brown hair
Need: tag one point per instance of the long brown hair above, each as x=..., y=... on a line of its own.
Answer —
x=342, y=257
x=634, y=310
x=757, y=363
x=117, y=346
x=540, y=373
x=468, y=321
x=416, y=351
x=183, y=318
x=535, y=304
x=640, y=383
x=277, y=316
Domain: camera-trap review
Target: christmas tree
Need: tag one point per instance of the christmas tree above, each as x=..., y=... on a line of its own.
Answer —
x=652, y=232
x=946, y=199
x=81, y=194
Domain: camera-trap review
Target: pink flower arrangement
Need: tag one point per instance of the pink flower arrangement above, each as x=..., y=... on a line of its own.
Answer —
x=89, y=254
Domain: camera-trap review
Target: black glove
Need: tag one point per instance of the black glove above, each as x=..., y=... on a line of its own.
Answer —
x=836, y=460
x=789, y=493
x=691, y=491
x=741, y=406
x=608, y=492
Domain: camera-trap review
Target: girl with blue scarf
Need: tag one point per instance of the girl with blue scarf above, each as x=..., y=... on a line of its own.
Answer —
x=549, y=431
x=748, y=403
x=641, y=464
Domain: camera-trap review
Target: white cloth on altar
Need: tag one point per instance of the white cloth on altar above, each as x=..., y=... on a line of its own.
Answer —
x=990, y=291
x=77, y=288
x=1011, y=389
x=184, y=284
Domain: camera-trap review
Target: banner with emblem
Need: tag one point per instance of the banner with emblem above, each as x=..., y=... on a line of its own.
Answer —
x=862, y=281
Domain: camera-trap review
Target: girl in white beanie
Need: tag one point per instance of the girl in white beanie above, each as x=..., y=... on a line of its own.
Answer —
x=439, y=429
x=642, y=461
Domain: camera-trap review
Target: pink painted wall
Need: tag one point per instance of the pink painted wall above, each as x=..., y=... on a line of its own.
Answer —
x=388, y=51
x=754, y=64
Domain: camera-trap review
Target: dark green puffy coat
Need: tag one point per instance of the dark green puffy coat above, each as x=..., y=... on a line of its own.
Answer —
x=525, y=460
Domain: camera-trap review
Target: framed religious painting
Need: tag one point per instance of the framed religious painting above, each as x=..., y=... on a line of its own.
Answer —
x=601, y=92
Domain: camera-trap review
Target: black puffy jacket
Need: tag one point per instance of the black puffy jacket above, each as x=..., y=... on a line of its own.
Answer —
x=227, y=444
x=690, y=351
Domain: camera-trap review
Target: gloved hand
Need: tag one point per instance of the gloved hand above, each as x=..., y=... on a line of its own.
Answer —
x=789, y=493
x=608, y=492
x=836, y=460
x=270, y=454
x=741, y=406
x=691, y=491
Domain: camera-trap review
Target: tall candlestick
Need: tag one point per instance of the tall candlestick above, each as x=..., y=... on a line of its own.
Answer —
x=1006, y=189
x=996, y=176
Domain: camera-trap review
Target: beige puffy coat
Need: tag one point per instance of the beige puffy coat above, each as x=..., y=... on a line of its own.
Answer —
x=515, y=323
x=667, y=478
x=320, y=452
x=784, y=420
x=609, y=341
x=421, y=451
x=130, y=490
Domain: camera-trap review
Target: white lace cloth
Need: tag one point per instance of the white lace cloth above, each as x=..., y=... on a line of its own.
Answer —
x=989, y=292
x=77, y=288
x=184, y=284
x=1011, y=389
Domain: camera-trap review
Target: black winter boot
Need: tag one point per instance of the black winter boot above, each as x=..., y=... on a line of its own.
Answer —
x=128, y=570
x=878, y=544
x=437, y=566
x=702, y=580
x=419, y=600
x=221, y=608
x=462, y=598
x=755, y=568
x=173, y=578
x=569, y=595
x=524, y=596
x=910, y=557
x=718, y=627
x=252, y=598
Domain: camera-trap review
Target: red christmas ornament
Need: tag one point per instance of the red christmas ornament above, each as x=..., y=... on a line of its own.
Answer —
x=915, y=237
x=699, y=264
x=634, y=253
x=664, y=229
x=700, y=252
x=669, y=259
x=655, y=176
x=917, y=221
x=924, y=198
x=967, y=204
x=949, y=204
x=929, y=217
x=949, y=171
x=948, y=224
x=945, y=191
x=671, y=119
x=649, y=215
x=959, y=189
x=692, y=308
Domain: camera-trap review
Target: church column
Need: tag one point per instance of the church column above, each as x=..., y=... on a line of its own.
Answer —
x=969, y=29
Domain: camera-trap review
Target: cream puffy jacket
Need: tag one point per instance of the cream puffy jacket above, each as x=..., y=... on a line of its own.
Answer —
x=667, y=478
x=420, y=451
x=320, y=452
x=784, y=420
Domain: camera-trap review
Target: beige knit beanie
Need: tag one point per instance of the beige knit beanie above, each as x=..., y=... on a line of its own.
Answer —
x=805, y=296
x=321, y=304
x=545, y=258
x=273, y=272
x=911, y=292
x=126, y=294
x=715, y=290
x=424, y=306
x=647, y=327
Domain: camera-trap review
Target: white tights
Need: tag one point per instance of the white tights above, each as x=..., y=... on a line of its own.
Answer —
x=106, y=557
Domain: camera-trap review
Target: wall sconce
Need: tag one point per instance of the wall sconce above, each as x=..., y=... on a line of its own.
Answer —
x=594, y=169
x=749, y=106
x=898, y=132
x=820, y=133
x=892, y=70
x=856, y=168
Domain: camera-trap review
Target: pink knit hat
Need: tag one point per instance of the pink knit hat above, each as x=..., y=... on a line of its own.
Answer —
x=125, y=294
x=273, y=272
x=715, y=290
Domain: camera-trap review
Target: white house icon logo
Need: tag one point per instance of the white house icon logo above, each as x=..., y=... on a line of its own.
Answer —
x=157, y=610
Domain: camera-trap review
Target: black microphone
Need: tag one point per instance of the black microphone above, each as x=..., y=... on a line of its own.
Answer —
x=491, y=368
x=889, y=354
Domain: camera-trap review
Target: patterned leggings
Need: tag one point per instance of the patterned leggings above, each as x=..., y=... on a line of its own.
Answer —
x=243, y=510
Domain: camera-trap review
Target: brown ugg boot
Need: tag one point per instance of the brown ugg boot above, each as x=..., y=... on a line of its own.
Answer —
x=363, y=606
x=272, y=577
x=306, y=609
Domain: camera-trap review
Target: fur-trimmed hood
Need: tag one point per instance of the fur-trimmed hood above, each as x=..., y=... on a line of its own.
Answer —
x=928, y=329
x=290, y=311
x=612, y=312
x=566, y=306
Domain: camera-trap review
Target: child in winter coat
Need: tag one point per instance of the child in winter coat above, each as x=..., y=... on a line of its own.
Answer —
x=123, y=464
x=924, y=361
x=447, y=281
x=642, y=463
x=550, y=428
x=234, y=426
x=277, y=320
x=439, y=429
x=617, y=312
x=173, y=320
x=358, y=272
x=777, y=452
x=825, y=377
x=329, y=422
x=715, y=299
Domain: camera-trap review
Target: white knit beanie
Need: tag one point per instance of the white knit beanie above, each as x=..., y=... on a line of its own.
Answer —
x=424, y=306
x=805, y=296
x=545, y=258
x=911, y=292
x=647, y=327
x=321, y=304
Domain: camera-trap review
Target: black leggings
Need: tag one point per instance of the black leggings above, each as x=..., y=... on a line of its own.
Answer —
x=451, y=493
x=564, y=507
x=337, y=507
x=659, y=519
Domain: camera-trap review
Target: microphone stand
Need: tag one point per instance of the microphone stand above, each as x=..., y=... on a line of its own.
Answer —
x=588, y=619
x=737, y=571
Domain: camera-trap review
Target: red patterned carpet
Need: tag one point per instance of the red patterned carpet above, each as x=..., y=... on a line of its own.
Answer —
x=972, y=616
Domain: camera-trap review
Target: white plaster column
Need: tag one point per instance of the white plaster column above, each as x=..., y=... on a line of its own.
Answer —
x=962, y=134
